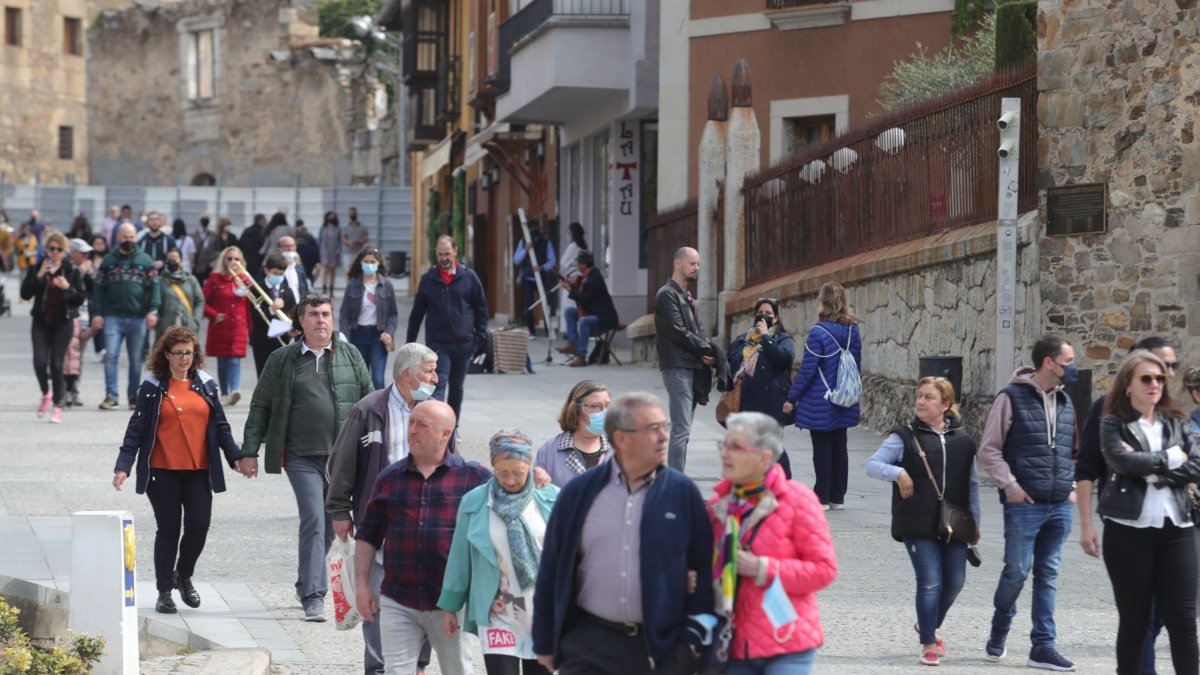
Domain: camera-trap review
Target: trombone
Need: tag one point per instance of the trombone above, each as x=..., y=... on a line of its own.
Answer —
x=275, y=322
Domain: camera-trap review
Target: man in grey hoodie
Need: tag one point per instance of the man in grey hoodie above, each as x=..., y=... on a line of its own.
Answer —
x=1026, y=447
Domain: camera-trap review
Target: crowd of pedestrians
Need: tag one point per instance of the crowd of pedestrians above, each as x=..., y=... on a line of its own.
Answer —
x=592, y=551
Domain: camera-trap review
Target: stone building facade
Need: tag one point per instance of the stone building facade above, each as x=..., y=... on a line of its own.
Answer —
x=1118, y=106
x=241, y=93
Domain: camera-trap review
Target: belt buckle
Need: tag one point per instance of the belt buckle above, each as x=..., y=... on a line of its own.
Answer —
x=631, y=629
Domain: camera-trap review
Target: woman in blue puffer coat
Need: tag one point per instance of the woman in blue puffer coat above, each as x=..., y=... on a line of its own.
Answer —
x=836, y=330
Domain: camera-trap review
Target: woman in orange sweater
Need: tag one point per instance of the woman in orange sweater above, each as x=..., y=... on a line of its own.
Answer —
x=175, y=436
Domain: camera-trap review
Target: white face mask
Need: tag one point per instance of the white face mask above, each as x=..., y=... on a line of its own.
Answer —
x=290, y=255
x=423, y=392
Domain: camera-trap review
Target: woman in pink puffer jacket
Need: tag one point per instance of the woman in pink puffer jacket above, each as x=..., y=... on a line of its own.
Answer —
x=772, y=552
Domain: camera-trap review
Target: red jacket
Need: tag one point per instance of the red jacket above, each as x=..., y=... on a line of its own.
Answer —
x=227, y=338
x=794, y=537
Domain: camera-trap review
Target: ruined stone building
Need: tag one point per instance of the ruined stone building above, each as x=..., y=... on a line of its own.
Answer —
x=236, y=93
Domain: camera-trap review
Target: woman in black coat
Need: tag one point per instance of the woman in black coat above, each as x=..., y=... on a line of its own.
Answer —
x=57, y=290
x=767, y=352
x=1148, y=545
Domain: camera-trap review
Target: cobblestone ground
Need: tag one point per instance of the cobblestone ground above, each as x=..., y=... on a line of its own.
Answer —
x=867, y=614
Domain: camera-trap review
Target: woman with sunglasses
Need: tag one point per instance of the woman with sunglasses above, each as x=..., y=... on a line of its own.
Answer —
x=57, y=290
x=582, y=444
x=228, y=311
x=940, y=566
x=1149, y=549
x=761, y=360
x=175, y=437
x=368, y=315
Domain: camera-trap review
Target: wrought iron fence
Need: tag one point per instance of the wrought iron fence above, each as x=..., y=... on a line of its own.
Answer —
x=784, y=4
x=909, y=174
x=671, y=229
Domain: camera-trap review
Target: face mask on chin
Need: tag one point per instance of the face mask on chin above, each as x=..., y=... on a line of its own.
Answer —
x=423, y=392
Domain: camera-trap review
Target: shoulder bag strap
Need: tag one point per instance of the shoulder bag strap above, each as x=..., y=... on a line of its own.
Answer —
x=921, y=454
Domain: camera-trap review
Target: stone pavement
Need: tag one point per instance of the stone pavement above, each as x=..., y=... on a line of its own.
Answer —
x=246, y=573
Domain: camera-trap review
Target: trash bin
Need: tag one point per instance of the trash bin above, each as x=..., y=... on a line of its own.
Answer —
x=949, y=367
x=398, y=263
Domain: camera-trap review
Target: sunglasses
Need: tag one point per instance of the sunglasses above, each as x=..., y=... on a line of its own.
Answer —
x=1172, y=365
x=54, y=249
x=1147, y=379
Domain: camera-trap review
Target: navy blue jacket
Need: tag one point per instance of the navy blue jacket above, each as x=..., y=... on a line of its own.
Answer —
x=1045, y=473
x=676, y=537
x=813, y=410
x=458, y=311
x=766, y=390
x=142, y=431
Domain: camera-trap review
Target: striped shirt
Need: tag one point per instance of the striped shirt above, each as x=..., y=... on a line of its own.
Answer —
x=398, y=412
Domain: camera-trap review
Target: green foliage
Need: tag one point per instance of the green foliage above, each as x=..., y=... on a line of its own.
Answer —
x=966, y=14
x=1016, y=33
x=20, y=657
x=334, y=19
x=923, y=75
x=458, y=212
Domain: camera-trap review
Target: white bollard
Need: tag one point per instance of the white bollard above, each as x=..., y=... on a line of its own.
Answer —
x=103, y=574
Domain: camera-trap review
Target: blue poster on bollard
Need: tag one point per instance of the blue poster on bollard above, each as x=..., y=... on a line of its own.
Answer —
x=130, y=560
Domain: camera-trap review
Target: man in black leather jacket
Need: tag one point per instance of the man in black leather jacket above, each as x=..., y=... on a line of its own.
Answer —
x=682, y=349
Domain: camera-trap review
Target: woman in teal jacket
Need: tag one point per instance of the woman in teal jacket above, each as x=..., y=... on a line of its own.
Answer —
x=494, y=558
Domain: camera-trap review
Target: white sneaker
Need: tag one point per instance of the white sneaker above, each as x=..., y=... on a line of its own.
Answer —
x=233, y=398
x=103, y=354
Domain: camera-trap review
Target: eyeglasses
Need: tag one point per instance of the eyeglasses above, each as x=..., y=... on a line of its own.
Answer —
x=1147, y=379
x=652, y=429
x=54, y=249
x=722, y=445
x=181, y=355
x=593, y=407
x=1172, y=365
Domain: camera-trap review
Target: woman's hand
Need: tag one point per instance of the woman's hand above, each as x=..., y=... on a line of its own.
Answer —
x=450, y=623
x=905, y=482
x=747, y=564
x=219, y=318
x=788, y=407
x=119, y=479
x=60, y=282
x=761, y=327
x=540, y=477
x=247, y=466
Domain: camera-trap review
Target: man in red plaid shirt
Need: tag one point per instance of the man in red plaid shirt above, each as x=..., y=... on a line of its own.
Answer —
x=411, y=515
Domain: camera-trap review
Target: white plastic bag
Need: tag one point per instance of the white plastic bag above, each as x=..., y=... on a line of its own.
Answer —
x=340, y=566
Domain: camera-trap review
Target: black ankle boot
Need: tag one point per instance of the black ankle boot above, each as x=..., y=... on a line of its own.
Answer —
x=165, y=604
x=187, y=591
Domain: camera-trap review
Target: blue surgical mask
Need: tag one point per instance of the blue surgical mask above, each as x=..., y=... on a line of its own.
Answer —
x=274, y=279
x=596, y=422
x=370, y=268
x=423, y=392
x=778, y=606
x=1070, y=374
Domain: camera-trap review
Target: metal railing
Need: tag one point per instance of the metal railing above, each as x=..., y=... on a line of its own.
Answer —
x=522, y=24
x=448, y=89
x=785, y=4
x=910, y=174
x=671, y=229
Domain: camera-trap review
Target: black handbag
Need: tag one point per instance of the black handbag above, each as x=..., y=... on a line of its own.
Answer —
x=954, y=522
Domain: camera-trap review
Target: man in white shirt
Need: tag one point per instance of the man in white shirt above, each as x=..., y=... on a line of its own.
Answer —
x=296, y=278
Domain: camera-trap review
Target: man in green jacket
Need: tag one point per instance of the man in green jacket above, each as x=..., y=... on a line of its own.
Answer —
x=125, y=306
x=303, y=395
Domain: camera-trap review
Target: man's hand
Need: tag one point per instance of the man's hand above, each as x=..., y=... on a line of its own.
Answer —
x=905, y=482
x=247, y=466
x=1088, y=541
x=343, y=528
x=1020, y=496
x=450, y=623
x=278, y=304
x=540, y=478
x=708, y=360
x=547, y=662
x=385, y=338
x=365, y=601
x=98, y=322
x=692, y=579
x=151, y=320
x=119, y=479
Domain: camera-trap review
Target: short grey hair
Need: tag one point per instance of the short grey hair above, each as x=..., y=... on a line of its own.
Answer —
x=411, y=355
x=621, y=410
x=763, y=431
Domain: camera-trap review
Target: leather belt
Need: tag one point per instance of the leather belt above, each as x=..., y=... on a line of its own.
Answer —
x=623, y=627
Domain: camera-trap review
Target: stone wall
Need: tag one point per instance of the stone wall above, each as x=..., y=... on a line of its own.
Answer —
x=1118, y=106
x=288, y=105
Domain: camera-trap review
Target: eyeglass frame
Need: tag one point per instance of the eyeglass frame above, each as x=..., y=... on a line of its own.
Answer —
x=651, y=428
x=181, y=355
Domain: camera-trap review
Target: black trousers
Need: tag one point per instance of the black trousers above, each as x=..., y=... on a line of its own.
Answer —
x=176, y=496
x=497, y=664
x=50, y=342
x=1153, y=565
x=590, y=649
x=262, y=349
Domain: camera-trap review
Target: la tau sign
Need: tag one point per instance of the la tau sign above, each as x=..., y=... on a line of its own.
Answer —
x=1077, y=209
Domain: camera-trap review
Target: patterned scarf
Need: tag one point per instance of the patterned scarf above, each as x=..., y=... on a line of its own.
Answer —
x=510, y=506
x=742, y=502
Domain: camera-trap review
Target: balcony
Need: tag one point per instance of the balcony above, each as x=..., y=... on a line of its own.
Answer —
x=799, y=14
x=555, y=47
x=448, y=89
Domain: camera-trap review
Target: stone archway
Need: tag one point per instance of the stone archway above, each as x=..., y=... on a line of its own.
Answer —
x=204, y=179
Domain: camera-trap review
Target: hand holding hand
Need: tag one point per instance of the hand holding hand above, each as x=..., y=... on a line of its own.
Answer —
x=247, y=466
x=119, y=479
x=905, y=482
x=98, y=323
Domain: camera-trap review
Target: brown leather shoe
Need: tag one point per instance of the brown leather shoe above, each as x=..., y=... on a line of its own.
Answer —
x=566, y=349
x=578, y=362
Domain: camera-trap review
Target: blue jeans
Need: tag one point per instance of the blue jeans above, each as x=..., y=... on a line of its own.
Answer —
x=797, y=663
x=1033, y=541
x=580, y=329
x=941, y=571
x=681, y=403
x=131, y=329
x=307, y=476
x=366, y=338
x=229, y=373
x=452, y=363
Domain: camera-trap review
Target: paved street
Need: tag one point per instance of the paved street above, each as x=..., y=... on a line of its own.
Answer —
x=52, y=471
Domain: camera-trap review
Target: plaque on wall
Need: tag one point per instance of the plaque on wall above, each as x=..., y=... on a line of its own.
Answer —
x=1077, y=209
